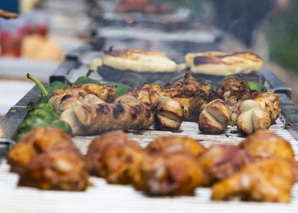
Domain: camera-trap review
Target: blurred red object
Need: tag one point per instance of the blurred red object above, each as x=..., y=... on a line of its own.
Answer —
x=40, y=29
x=13, y=32
x=10, y=44
x=143, y=6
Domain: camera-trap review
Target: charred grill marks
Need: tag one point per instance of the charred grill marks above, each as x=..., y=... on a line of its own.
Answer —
x=65, y=97
x=119, y=109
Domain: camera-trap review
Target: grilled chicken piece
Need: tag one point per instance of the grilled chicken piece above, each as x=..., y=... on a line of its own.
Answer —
x=269, y=102
x=38, y=141
x=215, y=117
x=59, y=169
x=171, y=145
x=268, y=181
x=129, y=113
x=222, y=161
x=192, y=95
x=64, y=102
x=233, y=87
x=267, y=144
x=203, y=96
x=105, y=93
x=234, y=91
x=147, y=93
x=114, y=157
x=168, y=114
x=177, y=174
x=252, y=117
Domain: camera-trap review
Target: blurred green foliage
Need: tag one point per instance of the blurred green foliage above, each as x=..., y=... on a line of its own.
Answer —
x=284, y=38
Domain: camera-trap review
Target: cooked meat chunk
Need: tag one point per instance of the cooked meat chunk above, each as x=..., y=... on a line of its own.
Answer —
x=126, y=114
x=105, y=93
x=215, y=117
x=168, y=175
x=114, y=157
x=168, y=114
x=267, y=144
x=221, y=161
x=269, y=102
x=59, y=169
x=38, y=141
x=252, y=117
x=268, y=181
x=147, y=93
x=234, y=91
x=170, y=145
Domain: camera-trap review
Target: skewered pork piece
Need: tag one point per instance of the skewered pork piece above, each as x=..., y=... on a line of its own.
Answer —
x=114, y=157
x=170, y=145
x=215, y=117
x=177, y=174
x=105, y=93
x=267, y=144
x=192, y=95
x=234, y=91
x=48, y=159
x=64, y=102
x=38, y=141
x=268, y=181
x=222, y=161
x=168, y=114
x=126, y=113
x=269, y=102
x=147, y=93
x=252, y=117
x=58, y=169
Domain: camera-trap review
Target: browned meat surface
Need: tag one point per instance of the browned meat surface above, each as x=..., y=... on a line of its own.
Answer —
x=171, y=175
x=114, y=157
x=268, y=181
x=59, y=169
x=38, y=141
x=267, y=144
x=221, y=161
x=171, y=145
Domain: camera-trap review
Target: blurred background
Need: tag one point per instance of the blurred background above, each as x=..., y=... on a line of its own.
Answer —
x=46, y=30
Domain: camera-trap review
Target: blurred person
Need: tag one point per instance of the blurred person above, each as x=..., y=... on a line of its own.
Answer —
x=248, y=20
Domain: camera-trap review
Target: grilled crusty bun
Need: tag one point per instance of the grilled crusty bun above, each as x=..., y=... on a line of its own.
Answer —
x=221, y=63
x=215, y=117
x=138, y=60
x=252, y=117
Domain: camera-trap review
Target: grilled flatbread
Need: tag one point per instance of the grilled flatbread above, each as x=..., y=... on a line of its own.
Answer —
x=221, y=63
x=138, y=61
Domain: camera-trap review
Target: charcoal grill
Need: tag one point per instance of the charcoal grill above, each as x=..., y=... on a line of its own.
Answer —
x=107, y=198
x=114, y=198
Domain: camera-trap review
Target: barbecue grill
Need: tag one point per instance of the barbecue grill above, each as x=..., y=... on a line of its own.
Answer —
x=106, y=198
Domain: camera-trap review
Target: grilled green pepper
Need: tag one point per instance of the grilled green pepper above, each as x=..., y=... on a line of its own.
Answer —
x=61, y=125
x=45, y=112
x=46, y=92
x=31, y=123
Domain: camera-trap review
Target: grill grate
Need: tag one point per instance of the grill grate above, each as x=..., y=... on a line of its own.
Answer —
x=111, y=198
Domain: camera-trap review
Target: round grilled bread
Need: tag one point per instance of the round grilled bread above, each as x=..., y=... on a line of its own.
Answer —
x=222, y=64
x=117, y=64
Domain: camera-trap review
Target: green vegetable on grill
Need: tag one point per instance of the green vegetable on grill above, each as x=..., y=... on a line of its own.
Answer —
x=257, y=86
x=120, y=88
